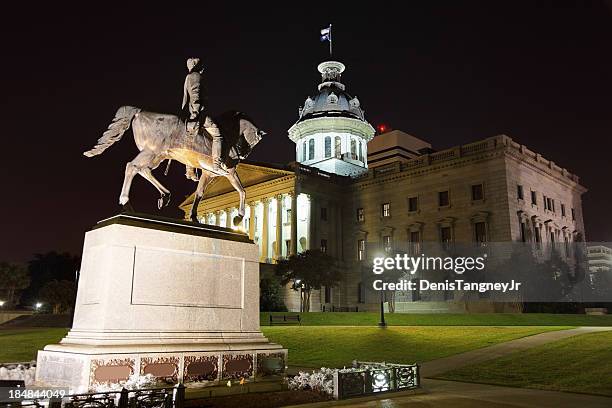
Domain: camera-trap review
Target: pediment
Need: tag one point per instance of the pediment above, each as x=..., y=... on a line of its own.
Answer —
x=250, y=174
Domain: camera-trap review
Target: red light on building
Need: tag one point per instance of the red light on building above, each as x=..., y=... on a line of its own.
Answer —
x=382, y=128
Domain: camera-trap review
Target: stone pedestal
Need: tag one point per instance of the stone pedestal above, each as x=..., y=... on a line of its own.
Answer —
x=170, y=298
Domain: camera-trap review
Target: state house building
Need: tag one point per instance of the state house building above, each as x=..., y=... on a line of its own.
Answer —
x=351, y=193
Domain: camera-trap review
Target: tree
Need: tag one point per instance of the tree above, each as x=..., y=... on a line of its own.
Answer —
x=59, y=294
x=13, y=277
x=270, y=299
x=308, y=270
x=46, y=268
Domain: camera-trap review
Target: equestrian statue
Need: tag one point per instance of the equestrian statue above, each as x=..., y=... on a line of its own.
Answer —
x=213, y=145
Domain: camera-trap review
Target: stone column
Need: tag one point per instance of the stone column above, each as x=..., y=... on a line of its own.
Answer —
x=264, y=230
x=217, y=218
x=228, y=218
x=293, y=223
x=252, y=206
x=279, y=227
x=312, y=223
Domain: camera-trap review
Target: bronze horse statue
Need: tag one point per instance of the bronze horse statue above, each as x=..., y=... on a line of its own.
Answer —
x=162, y=137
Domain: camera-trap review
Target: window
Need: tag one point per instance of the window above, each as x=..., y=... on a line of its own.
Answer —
x=324, y=246
x=353, y=149
x=445, y=236
x=443, y=199
x=338, y=147
x=573, y=215
x=480, y=233
x=549, y=204
x=360, y=215
x=562, y=210
x=413, y=204
x=360, y=151
x=538, y=236
x=386, y=210
x=519, y=192
x=415, y=242
x=534, y=198
x=523, y=227
x=361, y=248
x=387, y=243
x=324, y=213
x=311, y=146
x=566, y=246
x=327, y=146
x=477, y=192
x=327, y=294
x=360, y=292
x=288, y=215
x=304, y=151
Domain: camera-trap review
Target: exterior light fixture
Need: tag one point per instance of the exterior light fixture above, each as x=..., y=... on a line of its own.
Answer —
x=38, y=305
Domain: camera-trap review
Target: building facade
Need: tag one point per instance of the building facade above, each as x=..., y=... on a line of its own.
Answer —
x=390, y=192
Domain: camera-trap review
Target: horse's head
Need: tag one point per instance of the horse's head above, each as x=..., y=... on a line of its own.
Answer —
x=249, y=137
x=253, y=136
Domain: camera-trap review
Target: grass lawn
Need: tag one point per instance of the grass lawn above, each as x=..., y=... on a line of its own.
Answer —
x=338, y=346
x=448, y=319
x=578, y=364
x=325, y=346
x=22, y=344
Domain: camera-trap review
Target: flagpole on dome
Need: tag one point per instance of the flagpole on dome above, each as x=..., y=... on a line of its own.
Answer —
x=326, y=35
x=330, y=40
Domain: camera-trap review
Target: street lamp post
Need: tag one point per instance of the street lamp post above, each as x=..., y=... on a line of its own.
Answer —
x=382, y=322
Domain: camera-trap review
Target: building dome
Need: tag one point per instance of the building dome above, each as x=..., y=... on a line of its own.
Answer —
x=331, y=132
x=332, y=100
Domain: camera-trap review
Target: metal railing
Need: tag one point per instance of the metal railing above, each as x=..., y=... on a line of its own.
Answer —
x=373, y=378
x=169, y=397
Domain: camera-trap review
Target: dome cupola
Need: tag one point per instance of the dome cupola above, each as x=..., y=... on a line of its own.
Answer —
x=331, y=132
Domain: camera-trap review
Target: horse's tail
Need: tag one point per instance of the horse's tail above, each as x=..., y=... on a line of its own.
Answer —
x=121, y=123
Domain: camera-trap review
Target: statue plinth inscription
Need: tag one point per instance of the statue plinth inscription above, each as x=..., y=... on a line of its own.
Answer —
x=156, y=295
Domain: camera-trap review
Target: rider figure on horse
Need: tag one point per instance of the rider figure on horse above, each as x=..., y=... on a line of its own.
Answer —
x=197, y=115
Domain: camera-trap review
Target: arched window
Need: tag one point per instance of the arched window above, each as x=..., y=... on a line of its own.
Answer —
x=338, y=147
x=360, y=151
x=311, y=143
x=353, y=149
x=304, y=151
x=327, y=146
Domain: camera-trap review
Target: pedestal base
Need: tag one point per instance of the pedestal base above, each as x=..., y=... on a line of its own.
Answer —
x=173, y=299
x=83, y=368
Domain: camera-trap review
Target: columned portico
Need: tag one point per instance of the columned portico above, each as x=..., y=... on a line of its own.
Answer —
x=264, y=232
x=294, y=220
x=278, y=249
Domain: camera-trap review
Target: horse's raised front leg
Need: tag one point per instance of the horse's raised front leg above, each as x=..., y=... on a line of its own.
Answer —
x=232, y=176
x=203, y=183
x=141, y=161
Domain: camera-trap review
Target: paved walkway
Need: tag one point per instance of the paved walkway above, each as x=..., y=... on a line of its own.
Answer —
x=453, y=394
x=441, y=365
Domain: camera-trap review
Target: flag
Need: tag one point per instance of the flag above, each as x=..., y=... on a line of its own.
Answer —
x=326, y=34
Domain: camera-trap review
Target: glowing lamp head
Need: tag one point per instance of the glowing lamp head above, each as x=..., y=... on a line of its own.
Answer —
x=2, y=303
x=38, y=305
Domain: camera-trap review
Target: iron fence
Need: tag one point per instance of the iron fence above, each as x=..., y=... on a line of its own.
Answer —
x=170, y=397
x=371, y=378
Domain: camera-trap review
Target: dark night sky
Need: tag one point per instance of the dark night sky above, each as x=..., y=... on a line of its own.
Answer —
x=448, y=72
